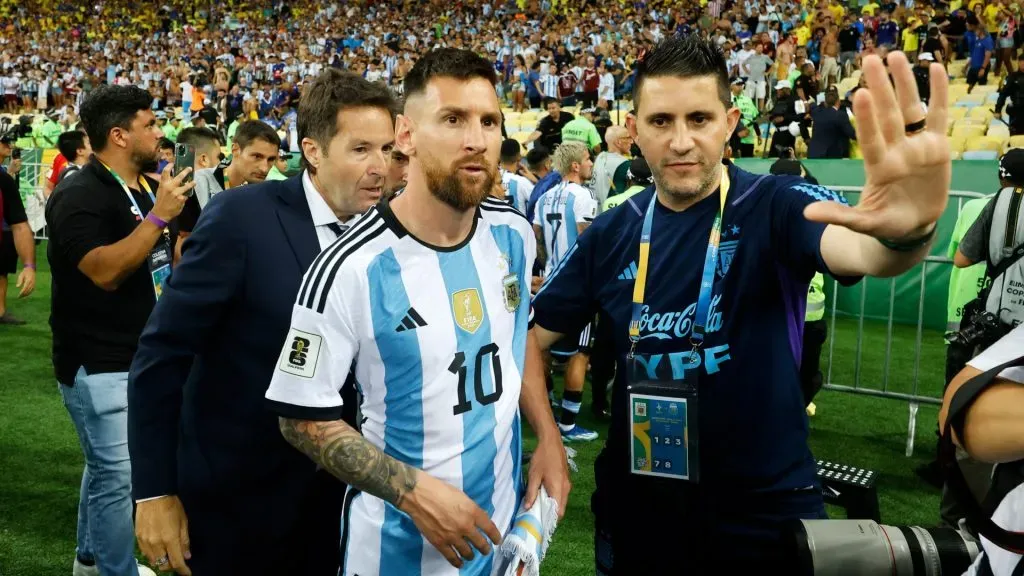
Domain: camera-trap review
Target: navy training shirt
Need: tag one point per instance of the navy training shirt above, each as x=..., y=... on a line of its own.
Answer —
x=753, y=427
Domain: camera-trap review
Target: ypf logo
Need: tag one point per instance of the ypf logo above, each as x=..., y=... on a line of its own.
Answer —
x=301, y=356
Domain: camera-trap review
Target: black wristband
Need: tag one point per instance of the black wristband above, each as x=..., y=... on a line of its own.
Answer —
x=910, y=245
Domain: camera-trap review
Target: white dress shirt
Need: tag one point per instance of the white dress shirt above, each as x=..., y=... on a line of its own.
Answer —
x=323, y=216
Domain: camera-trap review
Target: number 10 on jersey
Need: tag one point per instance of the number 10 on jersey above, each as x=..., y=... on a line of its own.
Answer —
x=458, y=367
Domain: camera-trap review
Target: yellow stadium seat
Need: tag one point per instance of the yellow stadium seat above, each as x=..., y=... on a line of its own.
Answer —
x=520, y=137
x=985, y=143
x=957, y=113
x=954, y=155
x=968, y=130
x=956, y=91
x=998, y=130
x=982, y=113
x=529, y=116
x=957, y=81
x=957, y=143
x=1015, y=142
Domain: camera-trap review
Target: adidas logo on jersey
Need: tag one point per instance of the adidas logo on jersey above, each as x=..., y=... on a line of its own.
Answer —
x=411, y=321
x=629, y=273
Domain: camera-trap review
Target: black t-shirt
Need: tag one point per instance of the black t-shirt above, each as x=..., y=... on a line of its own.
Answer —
x=809, y=86
x=848, y=38
x=551, y=131
x=94, y=328
x=933, y=45
x=13, y=209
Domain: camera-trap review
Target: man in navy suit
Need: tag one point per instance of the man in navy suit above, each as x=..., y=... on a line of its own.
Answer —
x=219, y=491
x=832, y=129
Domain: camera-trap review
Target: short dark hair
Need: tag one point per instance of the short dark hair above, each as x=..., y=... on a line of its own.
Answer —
x=332, y=92
x=551, y=100
x=108, y=107
x=166, y=144
x=537, y=156
x=253, y=130
x=197, y=137
x=686, y=57
x=447, y=63
x=69, y=143
x=510, y=150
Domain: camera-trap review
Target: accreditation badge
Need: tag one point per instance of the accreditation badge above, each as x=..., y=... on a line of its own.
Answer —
x=159, y=262
x=663, y=425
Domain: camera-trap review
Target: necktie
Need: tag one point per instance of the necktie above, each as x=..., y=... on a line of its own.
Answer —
x=338, y=229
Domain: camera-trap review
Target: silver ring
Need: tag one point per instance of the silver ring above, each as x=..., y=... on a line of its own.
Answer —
x=161, y=560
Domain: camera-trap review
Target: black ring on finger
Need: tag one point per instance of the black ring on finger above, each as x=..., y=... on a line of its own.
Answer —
x=915, y=127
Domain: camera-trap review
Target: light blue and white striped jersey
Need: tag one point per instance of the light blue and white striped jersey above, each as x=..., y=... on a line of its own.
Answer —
x=558, y=212
x=437, y=341
x=517, y=190
x=549, y=83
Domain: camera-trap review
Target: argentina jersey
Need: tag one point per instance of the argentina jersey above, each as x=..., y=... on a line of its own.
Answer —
x=559, y=213
x=437, y=341
x=517, y=190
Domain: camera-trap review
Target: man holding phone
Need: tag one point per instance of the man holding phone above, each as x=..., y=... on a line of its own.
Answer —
x=109, y=254
x=254, y=151
x=218, y=488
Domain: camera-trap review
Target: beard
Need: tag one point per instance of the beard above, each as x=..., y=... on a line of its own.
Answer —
x=147, y=163
x=685, y=193
x=452, y=187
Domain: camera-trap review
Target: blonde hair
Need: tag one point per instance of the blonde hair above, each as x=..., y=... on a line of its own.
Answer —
x=568, y=152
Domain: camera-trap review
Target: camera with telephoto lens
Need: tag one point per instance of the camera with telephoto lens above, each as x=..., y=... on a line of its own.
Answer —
x=982, y=329
x=865, y=547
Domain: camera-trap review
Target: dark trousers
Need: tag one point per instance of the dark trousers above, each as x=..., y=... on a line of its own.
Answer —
x=745, y=150
x=697, y=534
x=225, y=543
x=977, y=474
x=811, y=378
x=588, y=99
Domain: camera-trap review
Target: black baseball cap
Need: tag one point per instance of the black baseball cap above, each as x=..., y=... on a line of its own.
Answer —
x=1011, y=166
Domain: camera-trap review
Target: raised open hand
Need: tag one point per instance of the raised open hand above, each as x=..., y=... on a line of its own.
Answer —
x=907, y=166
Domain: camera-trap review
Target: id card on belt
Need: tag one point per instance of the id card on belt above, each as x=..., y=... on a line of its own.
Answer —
x=663, y=420
x=159, y=261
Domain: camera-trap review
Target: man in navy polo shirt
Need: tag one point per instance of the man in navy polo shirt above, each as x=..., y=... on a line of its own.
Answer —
x=703, y=279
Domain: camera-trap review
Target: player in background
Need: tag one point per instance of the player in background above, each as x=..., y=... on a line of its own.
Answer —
x=425, y=299
x=562, y=214
x=517, y=187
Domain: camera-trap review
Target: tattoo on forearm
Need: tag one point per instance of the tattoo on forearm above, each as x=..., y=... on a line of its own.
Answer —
x=342, y=451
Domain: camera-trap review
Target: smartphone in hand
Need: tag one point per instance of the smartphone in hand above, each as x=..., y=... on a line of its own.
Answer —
x=184, y=157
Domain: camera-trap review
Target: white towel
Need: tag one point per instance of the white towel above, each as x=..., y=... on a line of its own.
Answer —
x=525, y=545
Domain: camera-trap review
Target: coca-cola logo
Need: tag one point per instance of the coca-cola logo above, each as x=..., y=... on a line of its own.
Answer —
x=676, y=325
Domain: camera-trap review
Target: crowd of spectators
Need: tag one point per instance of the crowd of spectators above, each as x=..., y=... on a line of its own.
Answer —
x=246, y=59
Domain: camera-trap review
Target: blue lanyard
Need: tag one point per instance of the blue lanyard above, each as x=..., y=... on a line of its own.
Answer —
x=702, y=316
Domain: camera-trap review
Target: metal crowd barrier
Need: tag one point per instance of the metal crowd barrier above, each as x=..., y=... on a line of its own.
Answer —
x=914, y=398
x=32, y=176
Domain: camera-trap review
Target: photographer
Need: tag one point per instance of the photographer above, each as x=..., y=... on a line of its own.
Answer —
x=993, y=431
x=997, y=239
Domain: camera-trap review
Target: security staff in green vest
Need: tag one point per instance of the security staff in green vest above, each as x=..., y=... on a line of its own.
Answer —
x=964, y=285
x=173, y=126
x=638, y=179
x=45, y=135
x=746, y=128
x=582, y=128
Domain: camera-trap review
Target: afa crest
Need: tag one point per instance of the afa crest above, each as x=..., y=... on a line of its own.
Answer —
x=467, y=309
x=725, y=253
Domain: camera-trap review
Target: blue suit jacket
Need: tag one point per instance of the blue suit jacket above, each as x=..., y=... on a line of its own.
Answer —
x=197, y=422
